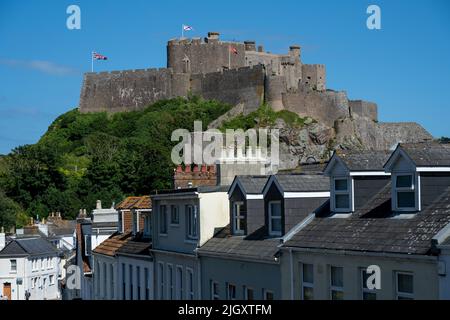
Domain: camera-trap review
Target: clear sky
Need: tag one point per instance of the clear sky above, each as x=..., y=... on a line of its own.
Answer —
x=404, y=67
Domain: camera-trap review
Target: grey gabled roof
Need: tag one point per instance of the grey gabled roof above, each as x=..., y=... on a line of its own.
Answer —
x=224, y=245
x=303, y=182
x=373, y=229
x=429, y=154
x=252, y=184
x=28, y=246
x=373, y=160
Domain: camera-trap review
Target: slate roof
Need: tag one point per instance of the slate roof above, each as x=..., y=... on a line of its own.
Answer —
x=130, y=203
x=254, y=247
x=136, y=247
x=110, y=246
x=63, y=227
x=429, y=154
x=364, y=160
x=28, y=246
x=252, y=184
x=303, y=182
x=374, y=229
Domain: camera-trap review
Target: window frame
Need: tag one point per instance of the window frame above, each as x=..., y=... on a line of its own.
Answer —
x=415, y=188
x=174, y=223
x=170, y=282
x=213, y=294
x=246, y=290
x=266, y=293
x=229, y=296
x=191, y=225
x=179, y=283
x=270, y=217
x=190, y=291
x=399, y=294
x=11, y=270
x=163, y=221
x=348, y=192
x=306, y=284
x=237, y=219
x=160, y=279
x=336, y=288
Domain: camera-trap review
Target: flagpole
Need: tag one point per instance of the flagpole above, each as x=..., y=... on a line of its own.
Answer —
x=229, y=57
x=92, y=61
x=182, y=31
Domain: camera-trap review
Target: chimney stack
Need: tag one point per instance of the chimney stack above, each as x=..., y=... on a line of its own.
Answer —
x=2, y=239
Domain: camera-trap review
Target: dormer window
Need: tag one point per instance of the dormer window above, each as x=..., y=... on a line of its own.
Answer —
x=404, y=193
x=275, y=226
x=239, y=218
x=341, y=200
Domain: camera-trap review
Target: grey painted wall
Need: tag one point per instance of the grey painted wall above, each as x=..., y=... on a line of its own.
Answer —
x=258, y=276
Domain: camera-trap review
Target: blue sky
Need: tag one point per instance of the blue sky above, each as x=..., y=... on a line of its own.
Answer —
x=404, y=67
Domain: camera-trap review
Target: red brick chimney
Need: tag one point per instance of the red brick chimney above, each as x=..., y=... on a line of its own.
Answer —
x=206, y=176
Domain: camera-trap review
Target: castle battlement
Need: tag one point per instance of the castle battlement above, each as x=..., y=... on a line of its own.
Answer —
x=206, y=67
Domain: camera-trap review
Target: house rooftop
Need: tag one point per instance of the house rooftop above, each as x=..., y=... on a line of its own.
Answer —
x=252, y=184
x=130, y=203
x=374, y=228
x=256, y=246
x=303, y=182
x=430, y=154
x=110, y=246
x=28, y=246
x=363, y=160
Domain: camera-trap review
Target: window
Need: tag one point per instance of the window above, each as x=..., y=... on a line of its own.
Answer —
x=33, y=283
x=174, y=215
x=249, y=293
x=404, y=193
x=267, y=294
x=341, y=201
x=147, y=226
x=124, y=294
x=239, y=221
x=161, y=280
x=215, y=290
x=13, y=263
x=52, y=280
x=138, y=282
x=130, y=279
x=191, y=222
x=147, y=284
x=87, y=245
x=307, y=281
x=162, y=220
x=170, y=288
x=231, y=291
x=105, y=280
x=179, y=283
x=275, y=218
x=405, y=286
x=111, y=281
x=337, y=283
x=367, y=294
x=190, y=284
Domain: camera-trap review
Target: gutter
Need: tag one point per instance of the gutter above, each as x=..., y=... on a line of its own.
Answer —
x=362, y=253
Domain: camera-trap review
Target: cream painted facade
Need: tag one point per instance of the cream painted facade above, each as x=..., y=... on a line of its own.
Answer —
x=423, y=269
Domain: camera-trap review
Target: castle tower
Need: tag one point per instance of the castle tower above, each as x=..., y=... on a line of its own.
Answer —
x=210, y=55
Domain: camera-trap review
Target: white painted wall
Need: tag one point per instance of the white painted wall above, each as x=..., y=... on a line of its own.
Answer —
x=36, y=280
x=214, y=213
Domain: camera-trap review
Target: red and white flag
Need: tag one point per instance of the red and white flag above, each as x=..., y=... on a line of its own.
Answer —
x=233, y=50
x=98, y=56
x=187, y=28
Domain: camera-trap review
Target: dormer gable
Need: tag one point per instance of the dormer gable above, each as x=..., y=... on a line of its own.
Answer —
x=354, y=177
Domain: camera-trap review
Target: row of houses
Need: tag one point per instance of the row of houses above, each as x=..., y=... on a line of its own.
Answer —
x=310, y=235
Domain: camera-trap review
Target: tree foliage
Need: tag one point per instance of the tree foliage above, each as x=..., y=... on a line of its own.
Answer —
x=97, y=156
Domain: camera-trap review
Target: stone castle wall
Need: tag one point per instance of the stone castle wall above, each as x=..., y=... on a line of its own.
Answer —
x=130, y=90
x=136, y=89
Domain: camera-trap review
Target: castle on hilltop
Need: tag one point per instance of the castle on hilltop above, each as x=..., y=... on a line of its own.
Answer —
x=230, y=72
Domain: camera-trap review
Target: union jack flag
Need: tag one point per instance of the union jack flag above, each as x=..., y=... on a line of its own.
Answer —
x=98, y=56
